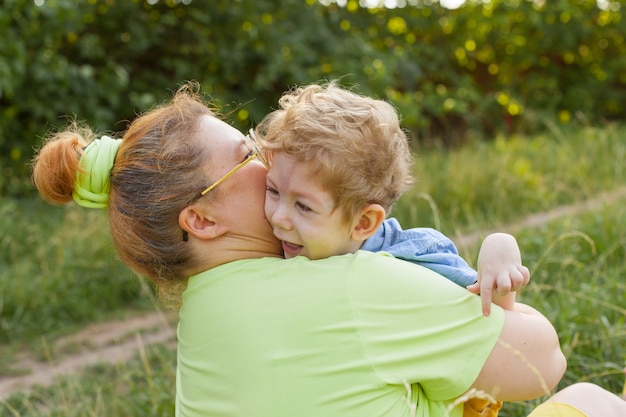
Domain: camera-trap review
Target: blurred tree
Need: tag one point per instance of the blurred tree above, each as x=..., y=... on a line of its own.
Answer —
x=484, y=68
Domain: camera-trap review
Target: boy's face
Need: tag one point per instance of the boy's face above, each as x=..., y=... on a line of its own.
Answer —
x=303, y=214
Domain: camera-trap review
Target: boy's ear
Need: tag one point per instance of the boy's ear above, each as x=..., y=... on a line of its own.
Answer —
x=368, y=221
x=196, y=222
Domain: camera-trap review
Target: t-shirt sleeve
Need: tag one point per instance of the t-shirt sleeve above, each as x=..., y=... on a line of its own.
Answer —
x=417, y=327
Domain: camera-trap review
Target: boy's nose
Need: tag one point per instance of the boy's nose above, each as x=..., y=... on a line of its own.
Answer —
x=280, y=218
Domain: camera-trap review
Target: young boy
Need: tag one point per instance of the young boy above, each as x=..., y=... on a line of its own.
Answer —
x=339, y=161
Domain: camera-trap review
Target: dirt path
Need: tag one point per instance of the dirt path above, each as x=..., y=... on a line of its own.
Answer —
x=113, y=342
x=118, y=341
x=539, y=219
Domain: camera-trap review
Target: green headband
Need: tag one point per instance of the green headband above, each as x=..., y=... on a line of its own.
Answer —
x=94, y=174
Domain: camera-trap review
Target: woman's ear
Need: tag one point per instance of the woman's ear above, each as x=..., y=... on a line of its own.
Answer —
x=197, y=222
x=368, y=221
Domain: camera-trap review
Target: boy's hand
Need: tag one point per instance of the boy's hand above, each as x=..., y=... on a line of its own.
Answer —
x=499, y=284
x=500, y=272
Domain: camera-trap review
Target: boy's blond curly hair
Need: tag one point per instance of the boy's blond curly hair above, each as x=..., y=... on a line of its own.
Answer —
x=355, y=142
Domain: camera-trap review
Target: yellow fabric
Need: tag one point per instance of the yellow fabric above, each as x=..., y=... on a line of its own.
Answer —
x=478, y=407
x=93, y=177
x=554, y=409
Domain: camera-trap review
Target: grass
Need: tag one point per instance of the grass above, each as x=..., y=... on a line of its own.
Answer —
x=577, y=268
x=487, y=184
x=59, y=271
x=143, y=386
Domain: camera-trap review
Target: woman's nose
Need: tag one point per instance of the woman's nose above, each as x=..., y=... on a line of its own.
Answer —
x=259, y=163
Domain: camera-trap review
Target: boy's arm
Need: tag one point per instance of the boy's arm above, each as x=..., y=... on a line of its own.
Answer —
x=423, y=246
x=500, y=272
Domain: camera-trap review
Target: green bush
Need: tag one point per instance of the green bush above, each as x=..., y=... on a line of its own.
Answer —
x=504, y=66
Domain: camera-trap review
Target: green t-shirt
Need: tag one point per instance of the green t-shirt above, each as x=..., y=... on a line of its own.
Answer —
x=360, y=335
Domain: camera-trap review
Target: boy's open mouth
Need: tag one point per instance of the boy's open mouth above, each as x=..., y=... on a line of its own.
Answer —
x=291, y=249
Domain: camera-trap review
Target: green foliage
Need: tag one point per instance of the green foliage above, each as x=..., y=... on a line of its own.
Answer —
x=485, y=68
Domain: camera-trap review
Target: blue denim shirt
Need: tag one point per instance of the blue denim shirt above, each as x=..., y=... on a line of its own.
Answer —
x=423, y=246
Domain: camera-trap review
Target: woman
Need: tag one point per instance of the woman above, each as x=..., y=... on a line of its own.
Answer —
x=263, y=336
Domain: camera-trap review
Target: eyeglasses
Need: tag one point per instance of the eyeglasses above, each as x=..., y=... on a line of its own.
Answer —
x=253, y=143
x=255, y=152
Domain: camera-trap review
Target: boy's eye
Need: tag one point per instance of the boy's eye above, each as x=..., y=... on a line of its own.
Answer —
x=249, y=154
x=303, y=207
x=271, y=190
